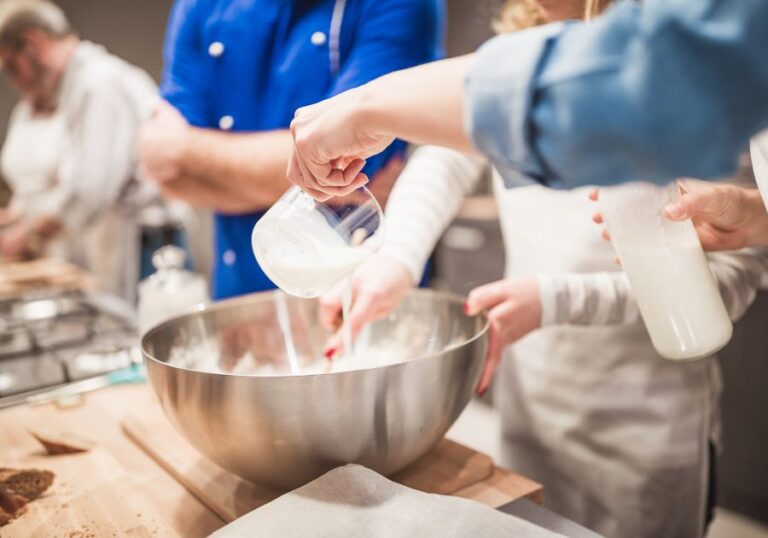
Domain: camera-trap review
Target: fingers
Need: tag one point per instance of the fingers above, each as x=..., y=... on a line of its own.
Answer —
x=676, y=211
x=296, y=176
x=487, y=296
x=338, y=183
x=492, y=359
x=694, y=204
x=353, y=169
x=360, y=181
x=330, y=308
x=335, y=345
x=365, y=309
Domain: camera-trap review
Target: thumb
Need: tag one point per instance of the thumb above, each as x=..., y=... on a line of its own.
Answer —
x=492, y=359
x=487, y=296
x=694, y=204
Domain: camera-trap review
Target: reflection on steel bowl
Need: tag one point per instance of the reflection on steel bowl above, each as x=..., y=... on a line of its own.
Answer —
x=238, y=379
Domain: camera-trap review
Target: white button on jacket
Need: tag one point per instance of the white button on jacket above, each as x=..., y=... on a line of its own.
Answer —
x=229, y=257
x=318, y=38
x=216, y=49
x=226, y=123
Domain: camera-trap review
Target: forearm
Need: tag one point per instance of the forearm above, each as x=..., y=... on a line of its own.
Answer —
x=201, y=194
x=428, y=108
x=232, y=171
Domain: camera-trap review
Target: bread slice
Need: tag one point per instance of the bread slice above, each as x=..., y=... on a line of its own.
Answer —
x=29, y=483
x=56, y=442
x=10, y=502
x=11, y=506
x=5, y=517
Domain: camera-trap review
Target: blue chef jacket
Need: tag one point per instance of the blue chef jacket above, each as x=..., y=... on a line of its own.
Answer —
x=247, y=65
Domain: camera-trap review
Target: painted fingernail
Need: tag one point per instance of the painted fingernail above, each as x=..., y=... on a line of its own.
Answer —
x=329, y=353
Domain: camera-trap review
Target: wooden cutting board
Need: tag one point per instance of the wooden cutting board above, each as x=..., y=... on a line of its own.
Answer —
x=448, y=468
x=17, y=277
x=91, y=496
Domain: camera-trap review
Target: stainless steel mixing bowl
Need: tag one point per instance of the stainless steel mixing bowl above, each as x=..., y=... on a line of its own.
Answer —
x=282, y=429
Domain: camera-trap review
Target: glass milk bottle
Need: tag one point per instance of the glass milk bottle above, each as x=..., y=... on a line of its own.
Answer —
x=170, y=291
x=667, y=271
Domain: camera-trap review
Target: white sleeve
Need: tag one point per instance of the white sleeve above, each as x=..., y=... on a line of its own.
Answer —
x=427, y=196
x=606, y=298
x=101, y=157
x=740, y=274
x=758, y=149
x=587, y=299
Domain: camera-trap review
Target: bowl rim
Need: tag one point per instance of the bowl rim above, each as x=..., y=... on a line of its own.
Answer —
x=220, y=305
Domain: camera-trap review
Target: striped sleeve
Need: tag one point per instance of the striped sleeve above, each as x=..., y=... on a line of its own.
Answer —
x=427, y=196
x=606, y=298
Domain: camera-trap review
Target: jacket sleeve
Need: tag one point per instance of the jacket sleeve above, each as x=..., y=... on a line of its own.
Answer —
x=649, y=91
x=100, y=158
x=185, y=62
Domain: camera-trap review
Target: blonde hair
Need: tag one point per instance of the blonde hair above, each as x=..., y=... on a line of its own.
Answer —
x=520, y=14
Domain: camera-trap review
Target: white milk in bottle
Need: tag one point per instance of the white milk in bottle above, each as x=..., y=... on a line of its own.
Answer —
x=667, y=271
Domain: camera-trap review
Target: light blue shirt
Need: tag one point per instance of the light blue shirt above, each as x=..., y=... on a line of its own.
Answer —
x=666, y=89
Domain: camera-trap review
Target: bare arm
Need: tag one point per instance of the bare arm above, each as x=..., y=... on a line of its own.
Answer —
x=429, y=108
x=227, y=172
x=423, y=105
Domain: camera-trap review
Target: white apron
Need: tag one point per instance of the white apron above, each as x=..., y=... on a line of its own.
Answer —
x=109, y=246
x=29, y=161
x=617, y=435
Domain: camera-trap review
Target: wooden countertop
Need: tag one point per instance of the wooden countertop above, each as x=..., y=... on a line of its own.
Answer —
x=99, y=418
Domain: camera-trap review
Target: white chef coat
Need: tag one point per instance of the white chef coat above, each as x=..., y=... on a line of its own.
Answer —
x=91, y=163
x=618, y=435
x=30, y=155
x=29, y=161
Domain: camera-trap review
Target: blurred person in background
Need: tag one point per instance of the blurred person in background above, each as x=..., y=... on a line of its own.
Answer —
x=622, y=439
x=70, y=154
x=235, y=72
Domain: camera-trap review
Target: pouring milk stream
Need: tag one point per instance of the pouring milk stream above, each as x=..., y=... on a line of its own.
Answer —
x=306, y=247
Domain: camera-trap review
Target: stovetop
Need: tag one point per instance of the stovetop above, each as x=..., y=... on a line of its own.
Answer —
x=47, y=340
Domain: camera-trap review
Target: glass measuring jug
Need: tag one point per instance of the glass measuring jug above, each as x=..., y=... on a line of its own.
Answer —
x=305, y=246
